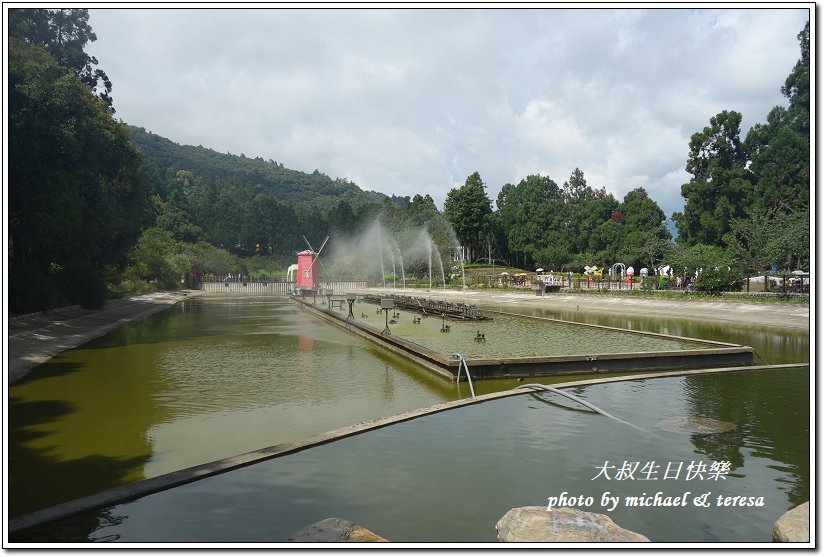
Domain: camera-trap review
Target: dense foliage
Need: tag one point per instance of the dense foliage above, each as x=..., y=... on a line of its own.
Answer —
x=574, y=226
x=306, y=190
x=469, y=210
x=77, y=197
x=64, y=34
x=753, y=197
x=716, y=280
x=247, y=205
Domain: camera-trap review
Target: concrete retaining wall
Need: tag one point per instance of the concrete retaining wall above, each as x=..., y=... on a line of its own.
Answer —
x=447, y=366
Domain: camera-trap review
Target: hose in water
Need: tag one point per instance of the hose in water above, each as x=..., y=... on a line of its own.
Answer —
x=579, y=401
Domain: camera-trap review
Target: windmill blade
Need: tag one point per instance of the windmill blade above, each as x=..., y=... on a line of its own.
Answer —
x=307, y=243
x=320, y=250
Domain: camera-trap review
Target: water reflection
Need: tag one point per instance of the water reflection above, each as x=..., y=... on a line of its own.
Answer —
x=207, y=379
x=773, y=413
x=772, y=345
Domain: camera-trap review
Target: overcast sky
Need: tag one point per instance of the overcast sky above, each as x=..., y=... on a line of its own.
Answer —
x=413, y=101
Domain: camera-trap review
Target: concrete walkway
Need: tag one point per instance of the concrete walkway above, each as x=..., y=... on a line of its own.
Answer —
x=35, y=338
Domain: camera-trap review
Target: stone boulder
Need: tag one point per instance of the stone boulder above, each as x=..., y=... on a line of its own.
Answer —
x=563, y=524
x=793, y=525
x=334, y=530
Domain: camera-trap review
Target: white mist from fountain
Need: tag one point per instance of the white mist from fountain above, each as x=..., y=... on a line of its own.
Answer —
x=417, y=254
x=429, y=246
x=395, y=249
x=440, y=264
x=411, y=249
x=463, y=274
x=459, y=256
x=383, y=270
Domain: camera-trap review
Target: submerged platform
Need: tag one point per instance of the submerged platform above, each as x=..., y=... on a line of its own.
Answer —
x=519, y=356
x=429, y=307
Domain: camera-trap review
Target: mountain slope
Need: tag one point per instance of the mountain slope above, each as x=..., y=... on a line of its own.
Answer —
x=315, y=190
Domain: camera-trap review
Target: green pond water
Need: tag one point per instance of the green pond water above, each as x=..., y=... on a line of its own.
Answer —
x=448, y=477
x=214, y=377
x=507, y=336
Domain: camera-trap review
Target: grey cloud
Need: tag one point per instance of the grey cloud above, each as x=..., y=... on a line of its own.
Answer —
x=409, y=101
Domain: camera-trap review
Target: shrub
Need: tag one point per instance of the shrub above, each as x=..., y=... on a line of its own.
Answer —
x=718, y=280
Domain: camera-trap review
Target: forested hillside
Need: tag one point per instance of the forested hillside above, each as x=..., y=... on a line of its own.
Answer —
x=162, y=158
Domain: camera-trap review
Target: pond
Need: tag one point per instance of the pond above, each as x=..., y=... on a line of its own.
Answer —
x=218, y=376
x=448, y=477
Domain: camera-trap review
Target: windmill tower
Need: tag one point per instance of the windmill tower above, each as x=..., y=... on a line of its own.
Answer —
x=308, y=275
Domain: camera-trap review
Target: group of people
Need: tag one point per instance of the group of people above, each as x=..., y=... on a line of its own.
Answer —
x=683, y=282
x=210, y=277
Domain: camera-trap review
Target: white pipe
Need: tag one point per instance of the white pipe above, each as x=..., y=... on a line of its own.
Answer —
x=579, y=401
x=461, y=360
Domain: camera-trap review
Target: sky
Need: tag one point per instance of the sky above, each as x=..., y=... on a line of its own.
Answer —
x=408, y=101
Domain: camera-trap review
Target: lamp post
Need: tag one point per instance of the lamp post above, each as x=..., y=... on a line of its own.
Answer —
x=444, y=327
x=386, y=305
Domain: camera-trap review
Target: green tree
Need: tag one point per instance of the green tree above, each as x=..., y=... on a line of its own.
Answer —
x=599, y=235
x=468, y=210
x=342, y=218
x=720, y=188
x=531, y=213
x=605, y=243
x=208, y=260
x=421, y=210
x=688, y=259
x=779, y=150
x=646, y=238
x=576, y=188
x=767, y=237
x=718, y=279
x=797, y=85
x=152, y=258
x=748, y=240
x=77, y=197
x=64, y=33
x=790, y=245
x=577, y=198
x=780, y=163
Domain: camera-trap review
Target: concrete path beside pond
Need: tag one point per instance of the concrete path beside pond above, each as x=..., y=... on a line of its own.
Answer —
x=36, y=337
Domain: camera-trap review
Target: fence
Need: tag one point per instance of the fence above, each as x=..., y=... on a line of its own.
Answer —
x=272, y=287
x=775, y=285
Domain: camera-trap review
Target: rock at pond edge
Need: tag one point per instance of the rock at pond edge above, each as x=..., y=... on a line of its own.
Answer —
x=793, y=526
x=563, y=524
x=334, y=530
